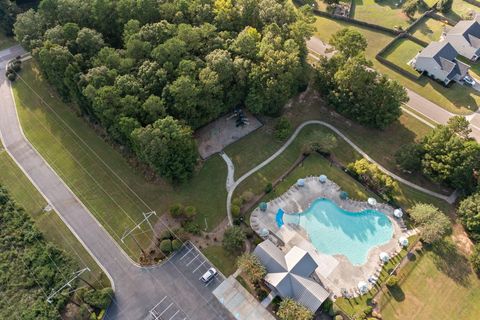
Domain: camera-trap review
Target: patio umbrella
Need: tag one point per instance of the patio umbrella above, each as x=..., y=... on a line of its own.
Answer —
x=362, y=286
x=398, y=213
x=300, y=182
x=263, y=206
x=343, y=195
x=384, y=256
x=322, y=178
x=403, y=241
x=372, y=201
x=264, y=232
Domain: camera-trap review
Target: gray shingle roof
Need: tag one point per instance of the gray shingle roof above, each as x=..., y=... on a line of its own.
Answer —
x=436, y=50
x=467, y=28
x=289, y=274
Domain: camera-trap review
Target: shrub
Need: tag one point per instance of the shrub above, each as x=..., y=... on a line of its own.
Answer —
x=11, y=76
x=238, y=201
x=176, y=244
x=166, y=234
x=338, y=317
x=192, y=227
x=268, y=187
x=247, y=196
x=289, y=309
x=235, y=211
x=373, y=177
x=181, y=234
x=251, y=267
x=410, y=7
x=166, y=246
x=469, y=213
x=190, y=212
x=176, y=210
x=392, y=281
x=99, y=299
x=475, y=259
x=282, y=129
x=233, y=239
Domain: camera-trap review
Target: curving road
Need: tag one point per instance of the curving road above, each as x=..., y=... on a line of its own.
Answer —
x=449, y=199
x=137, y=289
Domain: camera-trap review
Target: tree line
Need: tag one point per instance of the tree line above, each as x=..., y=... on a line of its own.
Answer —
x=152, y=71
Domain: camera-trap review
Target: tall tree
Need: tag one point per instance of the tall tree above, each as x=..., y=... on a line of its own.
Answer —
x=434, y=225
x=168, y=147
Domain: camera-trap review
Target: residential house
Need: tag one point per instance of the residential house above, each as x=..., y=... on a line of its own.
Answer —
x=439, y=61
x=465, y=38
x=290, y=274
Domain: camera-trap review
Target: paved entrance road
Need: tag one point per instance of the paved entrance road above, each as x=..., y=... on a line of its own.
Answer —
x=416, y=102
x=137, y=289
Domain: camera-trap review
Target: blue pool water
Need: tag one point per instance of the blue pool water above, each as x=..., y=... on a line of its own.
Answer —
x=333, y=230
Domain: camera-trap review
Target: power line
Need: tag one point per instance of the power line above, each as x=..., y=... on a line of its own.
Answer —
x=67, y=284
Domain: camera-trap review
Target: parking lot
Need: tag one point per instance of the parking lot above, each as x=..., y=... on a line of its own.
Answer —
x=188, y=297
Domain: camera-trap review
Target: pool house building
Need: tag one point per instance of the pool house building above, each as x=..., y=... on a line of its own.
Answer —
x=290, y=274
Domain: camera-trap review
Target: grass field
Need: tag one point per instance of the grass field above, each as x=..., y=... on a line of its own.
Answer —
x=457, y=99
x=402, y=52
x=429, y=30
x=461, y=10
x=221, y=258
x=49, y=223
x=439, y=284
x=99, y=175
x=387, y=13
x=5, y=41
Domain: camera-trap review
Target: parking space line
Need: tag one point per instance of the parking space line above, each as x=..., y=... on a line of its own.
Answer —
x=193, y=259
x=171, y=303
x=186, y=253
x=174, y=315
x=201, y=264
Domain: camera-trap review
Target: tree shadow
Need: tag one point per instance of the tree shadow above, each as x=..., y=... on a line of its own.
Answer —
x=397, y=293
x=452, y=263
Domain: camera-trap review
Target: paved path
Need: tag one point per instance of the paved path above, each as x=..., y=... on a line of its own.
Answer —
x=230, y=170
x=137, y=289
x=416, y=102
x=449, y=199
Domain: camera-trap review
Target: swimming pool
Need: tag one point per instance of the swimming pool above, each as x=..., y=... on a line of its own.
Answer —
x=333, y=230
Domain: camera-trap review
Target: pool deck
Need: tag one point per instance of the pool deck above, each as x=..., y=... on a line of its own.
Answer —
x=334, y=271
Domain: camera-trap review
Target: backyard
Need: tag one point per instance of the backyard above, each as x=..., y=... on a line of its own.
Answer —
x=429, y=30
x=401, y=53
x=387, y=13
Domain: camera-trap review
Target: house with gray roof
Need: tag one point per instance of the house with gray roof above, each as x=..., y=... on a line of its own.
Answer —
x=439, y=61
x=290, y=274
x=465, y=38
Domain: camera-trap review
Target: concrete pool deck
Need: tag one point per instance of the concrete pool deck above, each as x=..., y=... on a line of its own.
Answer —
x=335, y=272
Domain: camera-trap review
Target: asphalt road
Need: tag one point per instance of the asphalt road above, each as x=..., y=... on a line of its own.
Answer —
x=416, y=102
x=137, y=289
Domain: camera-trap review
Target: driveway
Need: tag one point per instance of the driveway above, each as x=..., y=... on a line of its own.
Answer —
x=137, y=289
x=416, y=102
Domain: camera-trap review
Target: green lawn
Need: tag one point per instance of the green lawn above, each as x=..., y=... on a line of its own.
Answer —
x=429, y=30
x=461, y=10
x=457, y=99
x=114, y=192
x=385, y=13
x=50, y=224
x=221, y=258
x=438, y=284
x=402, y=52
x=6, y=42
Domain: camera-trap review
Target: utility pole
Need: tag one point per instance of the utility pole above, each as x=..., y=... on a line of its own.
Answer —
x=76, y=275
x=128, y=232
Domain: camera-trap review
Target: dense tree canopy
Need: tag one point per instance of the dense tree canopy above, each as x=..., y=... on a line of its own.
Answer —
x=446, y=155
x=130, y=63
x=252, y=267
x=29, y=267
x=354, y=88
x=289, y=309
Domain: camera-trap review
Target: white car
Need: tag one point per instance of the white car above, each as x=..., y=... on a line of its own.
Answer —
x=468, y=80
x=207, y=276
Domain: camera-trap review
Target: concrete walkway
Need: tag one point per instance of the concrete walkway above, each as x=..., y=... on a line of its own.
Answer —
x=423, y=106
x=449, y=199
x=230, y=170
x=137, y=289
